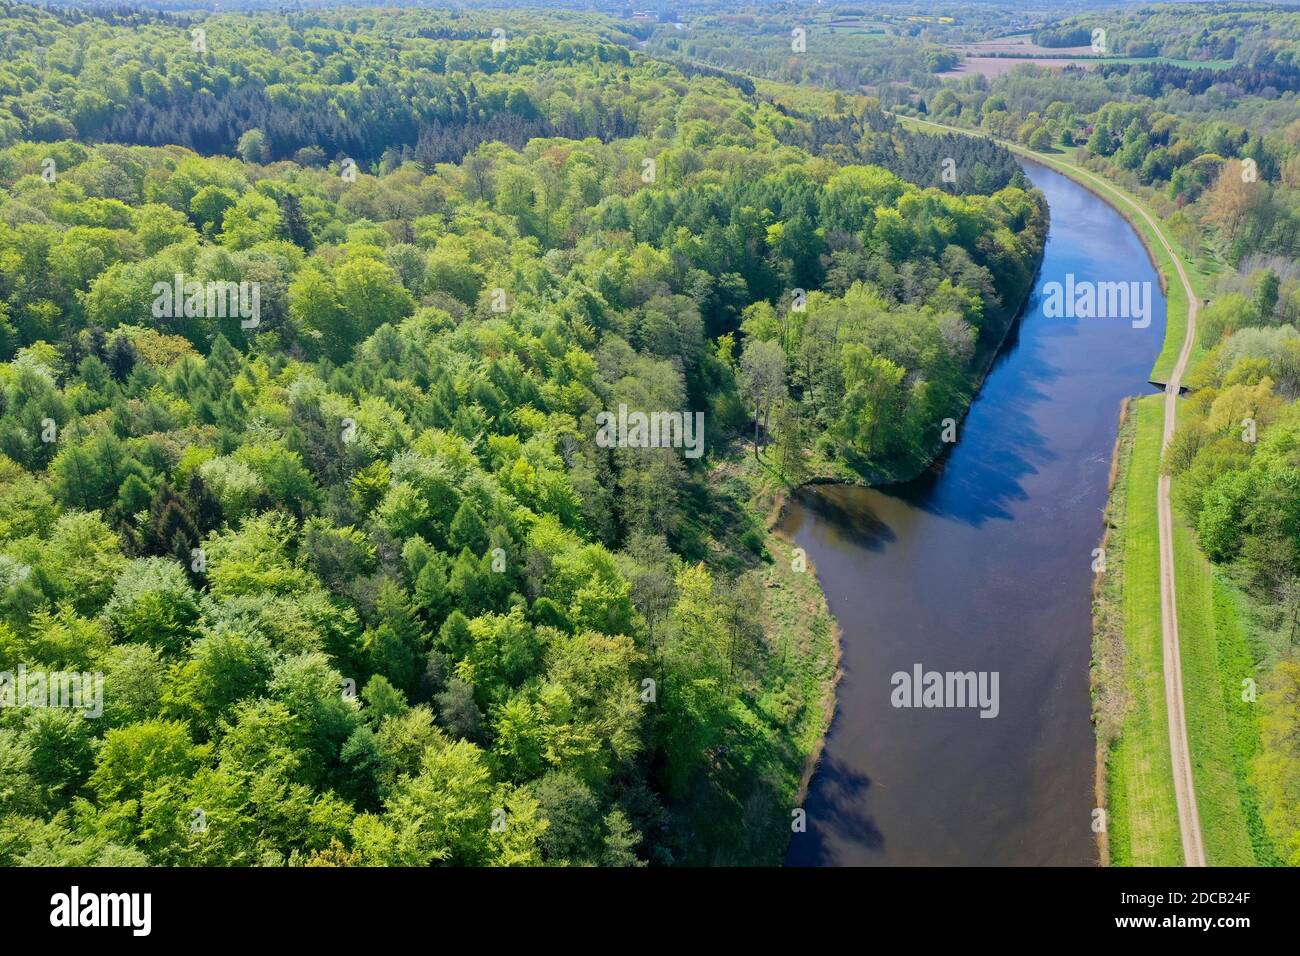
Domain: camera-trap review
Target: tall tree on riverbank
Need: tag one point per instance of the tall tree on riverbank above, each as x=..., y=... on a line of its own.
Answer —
x=762, y=381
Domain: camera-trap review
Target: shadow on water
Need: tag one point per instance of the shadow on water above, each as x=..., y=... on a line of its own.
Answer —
x=836, y=505
x=841, y=802
x=981, y=486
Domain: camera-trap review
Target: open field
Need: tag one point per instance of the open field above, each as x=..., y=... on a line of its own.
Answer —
x=993, y=58
x=853, y=25
x=994, y=66
x=1019, y=46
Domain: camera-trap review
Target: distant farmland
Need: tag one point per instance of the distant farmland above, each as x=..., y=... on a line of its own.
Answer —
x=994, y=66
x=993, y=58
x=1021, y=46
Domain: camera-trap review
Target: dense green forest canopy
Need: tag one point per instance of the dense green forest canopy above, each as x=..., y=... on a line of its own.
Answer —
x=357, y=83
x=363, y=586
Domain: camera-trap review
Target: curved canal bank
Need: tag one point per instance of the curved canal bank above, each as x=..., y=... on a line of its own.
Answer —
x=983, y=565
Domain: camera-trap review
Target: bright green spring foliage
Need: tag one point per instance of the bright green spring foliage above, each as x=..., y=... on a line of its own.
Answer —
x=299, y=449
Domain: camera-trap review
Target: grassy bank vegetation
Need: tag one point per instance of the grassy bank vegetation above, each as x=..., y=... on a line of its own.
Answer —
x=1128, y=683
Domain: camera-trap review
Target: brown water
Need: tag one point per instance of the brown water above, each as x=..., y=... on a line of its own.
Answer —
x=983, y=564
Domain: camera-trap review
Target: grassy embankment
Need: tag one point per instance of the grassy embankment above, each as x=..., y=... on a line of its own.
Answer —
x=1136, y=776
x=795, y=699
x=739, y=814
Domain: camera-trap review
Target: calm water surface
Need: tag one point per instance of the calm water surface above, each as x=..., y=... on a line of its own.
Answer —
x=983, y=564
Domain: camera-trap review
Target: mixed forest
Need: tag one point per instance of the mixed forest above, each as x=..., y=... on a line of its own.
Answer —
x=362, y=584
